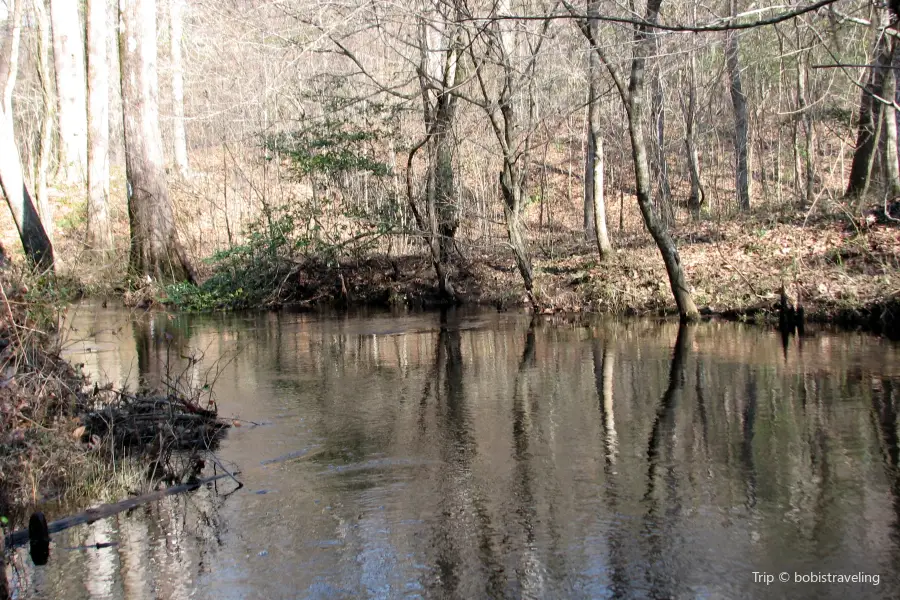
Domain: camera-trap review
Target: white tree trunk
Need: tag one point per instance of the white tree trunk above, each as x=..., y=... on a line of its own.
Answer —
x=98, y=226
x=34, y=239
x=42, y=167
x=155, y=250
x=179, y=137
x=68, y=56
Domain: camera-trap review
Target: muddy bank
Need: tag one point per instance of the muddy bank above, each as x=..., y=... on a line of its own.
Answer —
x=838, y=271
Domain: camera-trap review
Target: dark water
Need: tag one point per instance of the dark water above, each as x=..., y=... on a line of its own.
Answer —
x=484, y=455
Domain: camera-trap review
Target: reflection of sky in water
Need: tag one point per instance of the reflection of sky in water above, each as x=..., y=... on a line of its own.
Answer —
x=410, y=457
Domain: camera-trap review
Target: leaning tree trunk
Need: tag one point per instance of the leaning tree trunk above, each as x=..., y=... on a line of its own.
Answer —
x=680, y=288
x=633, y=99
x=741, y=118
x=68, y=56
x=155, y=250
x=98, y=225
x=179, y=137
x=870, y=112
x=35, y=242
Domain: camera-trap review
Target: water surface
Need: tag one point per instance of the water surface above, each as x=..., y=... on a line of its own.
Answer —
x=486, y=455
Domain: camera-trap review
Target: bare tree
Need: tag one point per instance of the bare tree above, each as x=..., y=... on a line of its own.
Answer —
x=509, y=104
x=594, y=193
x=741, y=117
x=440, y=64
x=99, y=234
x=179, y=137
x=632, y=95
x=71, y=88
x=155, y=249
x=35, y=242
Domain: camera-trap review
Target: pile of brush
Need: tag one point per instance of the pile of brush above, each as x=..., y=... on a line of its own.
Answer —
x=174, y=431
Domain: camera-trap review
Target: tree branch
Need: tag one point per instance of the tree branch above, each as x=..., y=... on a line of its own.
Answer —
x=725, y=24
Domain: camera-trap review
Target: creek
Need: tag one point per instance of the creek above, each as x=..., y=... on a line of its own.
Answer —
x=475, y=454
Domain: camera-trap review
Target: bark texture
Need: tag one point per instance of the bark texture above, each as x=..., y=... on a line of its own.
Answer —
x=870, y=116
x=98, y=224
x=594, y=199
x=155, y=250
x=45, y=142
x=71, y=88
x=35, y=242
x=741, y=118
x=179, y=136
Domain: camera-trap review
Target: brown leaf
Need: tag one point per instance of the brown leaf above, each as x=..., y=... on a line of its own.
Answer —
x=79, y=432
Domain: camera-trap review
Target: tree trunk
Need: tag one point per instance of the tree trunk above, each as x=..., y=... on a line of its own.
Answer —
x=511, y=183
x=589, y=159
x=99, y=235
x=660, y=167
x=179, y=137
x=870, y=111
x=68, y=56
x=741, y=118
x=695, y=199
x=439, y=55
x=45, y=143
x=809, y=137
x=35, y=242
x=891, y=166
x=598, y=198
x=155, y=250
x=633, y=98
x=594, y=198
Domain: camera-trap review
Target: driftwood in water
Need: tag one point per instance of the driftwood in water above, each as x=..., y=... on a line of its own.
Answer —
x=19, y=538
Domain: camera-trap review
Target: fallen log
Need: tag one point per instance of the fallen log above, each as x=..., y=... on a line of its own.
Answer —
x=21, y=537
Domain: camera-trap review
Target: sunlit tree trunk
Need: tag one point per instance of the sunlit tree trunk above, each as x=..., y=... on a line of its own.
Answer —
x=598, y=195
x=45, y=143
x=891, y=166
x=179, y=137
x=35, y=242
x=594, y=198
x=741, y=118
x=155, y=250
x=98, y=226
x=71, y=89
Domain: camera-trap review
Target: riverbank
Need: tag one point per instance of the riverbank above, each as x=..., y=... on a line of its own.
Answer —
x=65, y=440
x=838, y=270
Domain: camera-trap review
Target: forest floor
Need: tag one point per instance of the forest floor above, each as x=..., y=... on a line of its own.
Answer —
x=839, y=270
